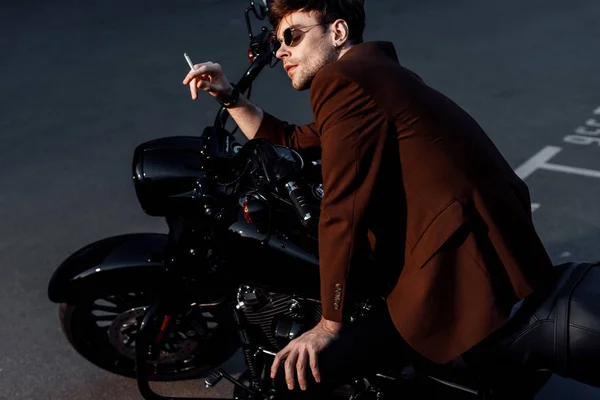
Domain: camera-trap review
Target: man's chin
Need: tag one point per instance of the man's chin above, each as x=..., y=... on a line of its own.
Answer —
x=300, y=88
x=301, y=85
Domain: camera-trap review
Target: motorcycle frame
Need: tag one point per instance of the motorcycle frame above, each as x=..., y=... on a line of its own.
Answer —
x=158, y=313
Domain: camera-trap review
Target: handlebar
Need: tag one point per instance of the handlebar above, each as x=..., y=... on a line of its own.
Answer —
x=264, y=47
x=281, y=174
x=296, y=192
x=300, y=201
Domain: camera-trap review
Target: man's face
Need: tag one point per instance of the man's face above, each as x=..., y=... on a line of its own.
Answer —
x=311, y=50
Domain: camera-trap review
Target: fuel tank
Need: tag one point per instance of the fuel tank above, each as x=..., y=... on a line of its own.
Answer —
x=266, y=257
x=281, y=256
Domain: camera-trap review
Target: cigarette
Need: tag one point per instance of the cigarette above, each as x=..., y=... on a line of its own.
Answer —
x=189, y=61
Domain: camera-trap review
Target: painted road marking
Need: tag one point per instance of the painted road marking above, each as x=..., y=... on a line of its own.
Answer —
x=535, y=162
x=584, y=140
x=572, y=170
x=583, y=130
x=593, y=123
x=586, y=135
x=540, y=161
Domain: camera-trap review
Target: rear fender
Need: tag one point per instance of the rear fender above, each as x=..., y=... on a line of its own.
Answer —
x=128, y=262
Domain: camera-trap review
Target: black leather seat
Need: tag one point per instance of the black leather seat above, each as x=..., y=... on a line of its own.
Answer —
x=557, y=330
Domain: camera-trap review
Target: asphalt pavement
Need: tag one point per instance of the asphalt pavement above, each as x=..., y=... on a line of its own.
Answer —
x=82, y=83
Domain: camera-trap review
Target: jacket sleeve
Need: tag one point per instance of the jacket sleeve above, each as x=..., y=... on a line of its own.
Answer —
x=354, y=130
x=285, y=134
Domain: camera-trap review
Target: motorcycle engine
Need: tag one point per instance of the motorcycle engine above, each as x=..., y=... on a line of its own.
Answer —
x=277, y=318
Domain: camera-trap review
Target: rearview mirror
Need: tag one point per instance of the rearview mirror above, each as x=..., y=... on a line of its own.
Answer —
x=260, y=8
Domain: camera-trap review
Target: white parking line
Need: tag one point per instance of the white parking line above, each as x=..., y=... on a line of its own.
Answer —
x=537, y=161
x=572, y=170
x=540, y=161
x=584, y=136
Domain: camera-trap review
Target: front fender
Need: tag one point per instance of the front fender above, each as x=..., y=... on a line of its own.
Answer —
x=126, y=262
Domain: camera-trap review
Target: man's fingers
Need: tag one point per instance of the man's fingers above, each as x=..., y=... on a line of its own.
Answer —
x=277, y=361
x=206, y=86
x=290, y=366
x=301, y=368
x=193, y=74
x=207, y=69
x=193, y=89
x=314, y=364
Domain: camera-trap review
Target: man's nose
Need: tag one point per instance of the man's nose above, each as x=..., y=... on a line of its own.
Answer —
x=282, y=51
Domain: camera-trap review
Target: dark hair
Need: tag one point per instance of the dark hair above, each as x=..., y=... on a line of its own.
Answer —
x=327, y=11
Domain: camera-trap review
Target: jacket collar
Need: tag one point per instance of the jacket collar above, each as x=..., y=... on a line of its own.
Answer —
x=372, y=49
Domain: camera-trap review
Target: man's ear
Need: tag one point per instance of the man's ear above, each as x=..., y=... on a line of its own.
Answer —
x=339, y=32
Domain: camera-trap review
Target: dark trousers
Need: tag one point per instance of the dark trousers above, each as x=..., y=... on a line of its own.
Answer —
x=373, y=345
x=369, y=345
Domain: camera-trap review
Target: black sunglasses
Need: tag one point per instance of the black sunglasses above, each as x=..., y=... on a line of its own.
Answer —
x=293, y=36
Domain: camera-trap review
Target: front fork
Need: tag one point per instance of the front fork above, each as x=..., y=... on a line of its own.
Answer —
x=148, y=341
x=156, y=321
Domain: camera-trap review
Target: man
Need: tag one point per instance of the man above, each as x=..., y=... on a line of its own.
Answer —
x=411, y=171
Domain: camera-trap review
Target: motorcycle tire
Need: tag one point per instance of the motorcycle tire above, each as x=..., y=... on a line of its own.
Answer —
x=98, y=338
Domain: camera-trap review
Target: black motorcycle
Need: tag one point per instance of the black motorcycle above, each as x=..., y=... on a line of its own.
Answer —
x=239, y=268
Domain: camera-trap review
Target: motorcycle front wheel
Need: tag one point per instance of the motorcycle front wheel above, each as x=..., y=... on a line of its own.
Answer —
x=103, y=330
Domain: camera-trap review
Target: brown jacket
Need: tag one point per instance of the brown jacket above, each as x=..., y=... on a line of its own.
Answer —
x=406, y=167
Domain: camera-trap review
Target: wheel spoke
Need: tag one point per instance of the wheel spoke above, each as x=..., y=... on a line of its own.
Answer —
x=114, y=320
x=103, y=317
x=113, y=304
x=125, y=302
x=111, y=309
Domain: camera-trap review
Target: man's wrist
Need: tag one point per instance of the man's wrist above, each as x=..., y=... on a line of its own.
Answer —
x=232, y=97
x=331, y=326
